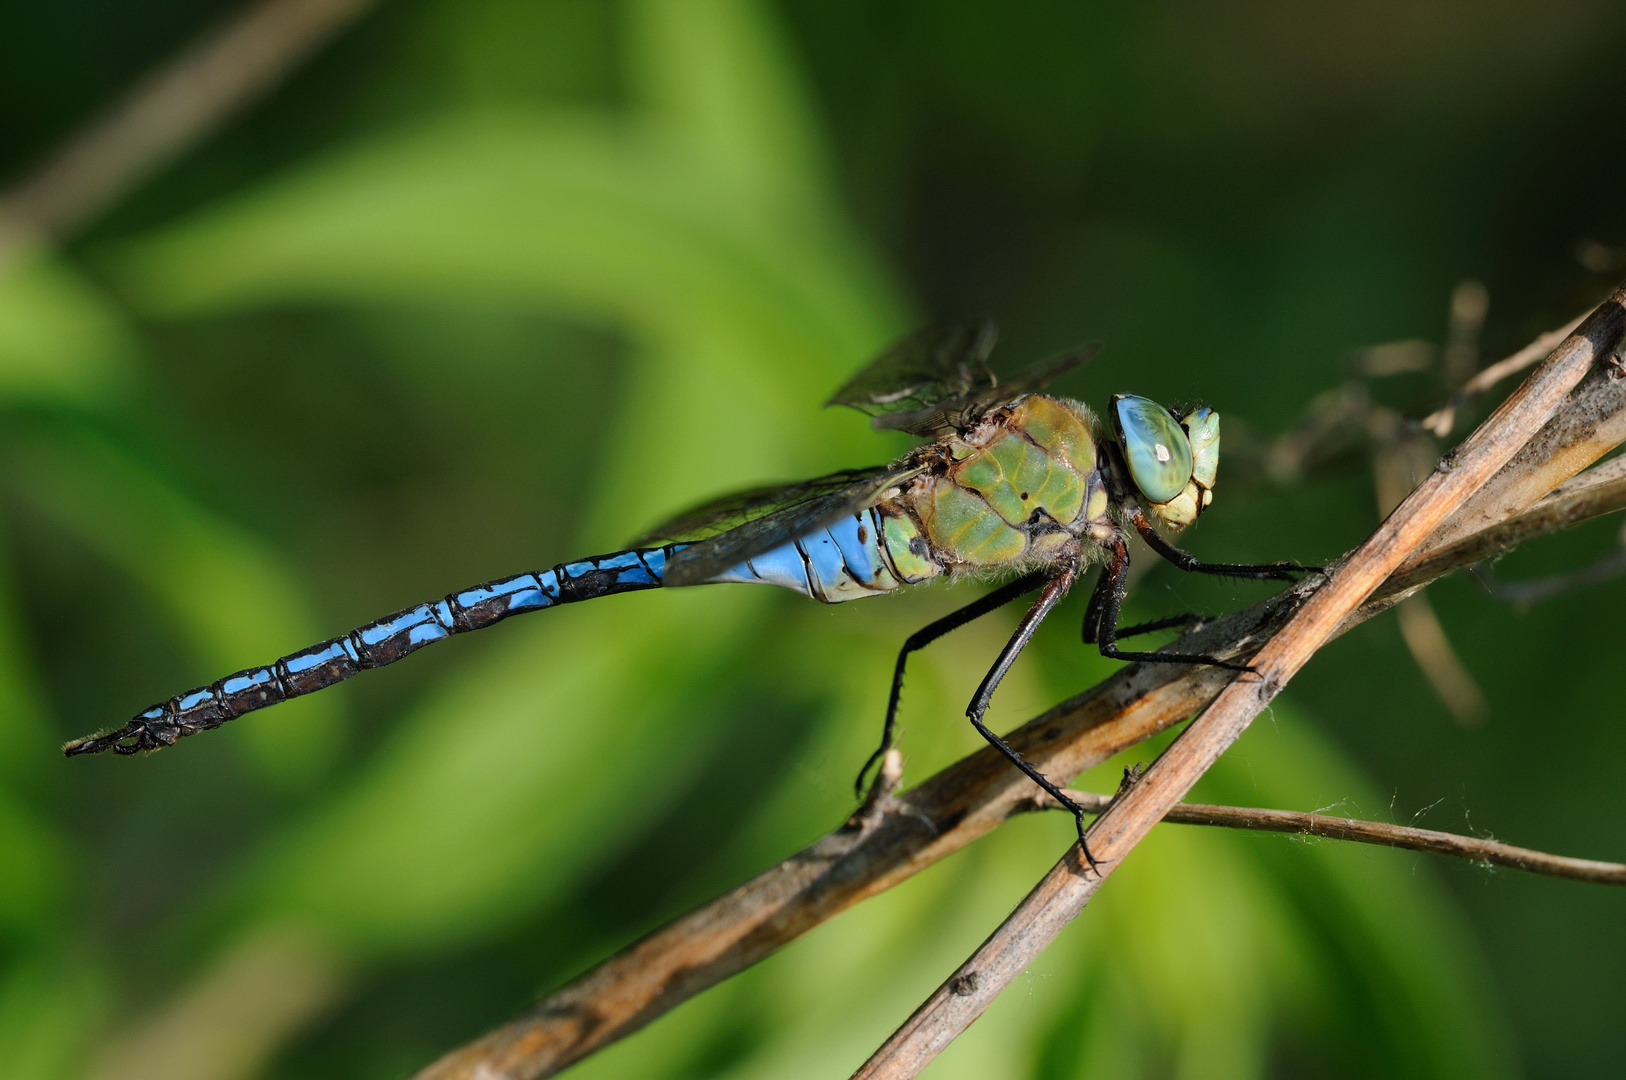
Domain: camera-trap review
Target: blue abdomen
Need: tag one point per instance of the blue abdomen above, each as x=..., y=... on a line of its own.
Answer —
x=843, y=562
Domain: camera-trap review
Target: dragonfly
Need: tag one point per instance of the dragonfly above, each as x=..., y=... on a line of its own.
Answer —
x=1007, y=480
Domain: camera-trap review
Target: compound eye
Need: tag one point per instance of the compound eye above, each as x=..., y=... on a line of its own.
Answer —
x=1155, y=446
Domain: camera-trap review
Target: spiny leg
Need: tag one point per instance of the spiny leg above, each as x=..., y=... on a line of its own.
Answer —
x=1092, y=618
x=924, y=637
x=1107, y=604
x=1277, y=571
x=1191, y=618
x=1054, y=590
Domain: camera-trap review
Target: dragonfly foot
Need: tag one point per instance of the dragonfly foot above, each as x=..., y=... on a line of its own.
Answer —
x=887, y=778
x=858, y=784
x=1084, y=844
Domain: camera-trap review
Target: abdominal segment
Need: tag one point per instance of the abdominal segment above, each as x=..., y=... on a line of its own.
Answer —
x=862, y=555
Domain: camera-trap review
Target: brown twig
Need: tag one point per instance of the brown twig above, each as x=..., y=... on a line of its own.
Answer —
x=191, y=95
x=1063, y=892
x=1401, y=453
x=1474, y=848
x=895, y=837
x=1444, y=418
x=1600, y=490
x=1591, y=424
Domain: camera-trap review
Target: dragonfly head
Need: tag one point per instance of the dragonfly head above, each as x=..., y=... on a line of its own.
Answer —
x=1172, y=460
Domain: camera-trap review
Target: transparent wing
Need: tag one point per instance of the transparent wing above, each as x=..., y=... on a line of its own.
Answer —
x=938, y=363
x=961, y=412
x=725, y=532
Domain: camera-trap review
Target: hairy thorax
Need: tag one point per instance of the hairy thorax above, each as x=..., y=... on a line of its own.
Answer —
x=1023, y=486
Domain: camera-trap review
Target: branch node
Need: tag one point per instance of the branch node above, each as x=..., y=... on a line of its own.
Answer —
x=881, y=791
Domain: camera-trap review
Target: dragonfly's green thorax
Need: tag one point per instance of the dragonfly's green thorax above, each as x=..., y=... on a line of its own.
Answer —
x=1014, y=487
x=1028, y=481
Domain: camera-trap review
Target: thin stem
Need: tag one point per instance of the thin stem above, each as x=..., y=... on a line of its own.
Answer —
x=1474, y=848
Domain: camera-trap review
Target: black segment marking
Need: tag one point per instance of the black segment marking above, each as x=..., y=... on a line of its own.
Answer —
x=813, y=588
x=172, y=723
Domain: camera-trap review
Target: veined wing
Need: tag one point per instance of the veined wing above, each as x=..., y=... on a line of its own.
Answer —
x=959, y=413
x=727, y=531
x=938, y=381
x=935, y=364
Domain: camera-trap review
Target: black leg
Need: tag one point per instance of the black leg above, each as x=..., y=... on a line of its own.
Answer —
x=1110, y=593
x=1092, y=613
x=1188, y=619
x=1054, y=590
x=924, y=637
x=1092, y=616
x=1277, y=571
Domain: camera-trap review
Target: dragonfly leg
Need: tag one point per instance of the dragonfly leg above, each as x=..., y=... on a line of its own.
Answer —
x=1107, y=604
x=1092, y=618
x=1190, y=618
x=924, y=637
x=1055, y=588
x=1276, y=571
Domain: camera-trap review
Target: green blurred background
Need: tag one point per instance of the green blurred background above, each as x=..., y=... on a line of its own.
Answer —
x=492, y=284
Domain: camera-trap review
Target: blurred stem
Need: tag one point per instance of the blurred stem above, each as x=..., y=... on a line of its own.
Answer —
x=1443, y=419
x=1526, y=593
x=271, y=982
x=165, y=114
x=1402, y=455
x=1431, y=649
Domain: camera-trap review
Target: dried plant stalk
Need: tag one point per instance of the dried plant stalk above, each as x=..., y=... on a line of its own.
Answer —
x=895, y=837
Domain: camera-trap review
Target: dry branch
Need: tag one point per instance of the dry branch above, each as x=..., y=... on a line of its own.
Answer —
x=900, y=836
x=1592, y=423
x=1444, y=418
x=1059, y=897
x=1473, y=848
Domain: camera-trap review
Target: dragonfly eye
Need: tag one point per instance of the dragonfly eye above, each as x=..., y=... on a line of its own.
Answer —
x=1202, y=431
x=1155, y=446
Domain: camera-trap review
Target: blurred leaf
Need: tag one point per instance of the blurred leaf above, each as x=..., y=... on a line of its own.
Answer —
x=60, y=339
x=1381, y=936
x=522, y=49
x=48, y=1006
x=23, y=726
x=508, y=783
x=716, y=72
x=33, y=884
x=567, y=213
